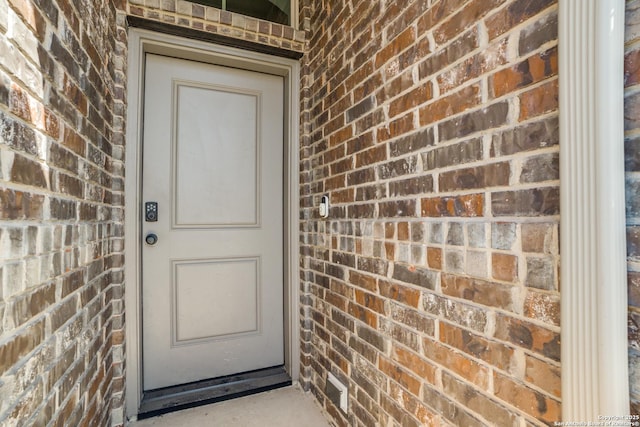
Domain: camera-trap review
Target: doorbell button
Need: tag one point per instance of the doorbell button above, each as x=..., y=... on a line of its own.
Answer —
x=324, y=207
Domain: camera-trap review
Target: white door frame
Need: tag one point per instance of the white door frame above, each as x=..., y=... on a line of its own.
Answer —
x=143, y=41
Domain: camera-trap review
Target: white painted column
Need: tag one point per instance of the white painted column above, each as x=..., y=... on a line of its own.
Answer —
x=593, y=247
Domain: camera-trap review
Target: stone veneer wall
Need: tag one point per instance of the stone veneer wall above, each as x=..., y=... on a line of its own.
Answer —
x=632, y=168
x=432, y=289
x=62, y=85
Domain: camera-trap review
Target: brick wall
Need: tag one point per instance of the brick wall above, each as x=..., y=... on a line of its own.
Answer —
x=211, y=20
x=61, y=183
x=632, y=167
x=432, y=289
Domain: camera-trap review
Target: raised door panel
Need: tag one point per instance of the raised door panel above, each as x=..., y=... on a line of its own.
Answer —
x=216, y=160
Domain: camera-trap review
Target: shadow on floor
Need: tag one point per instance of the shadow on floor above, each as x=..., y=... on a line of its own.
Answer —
x=283, y=407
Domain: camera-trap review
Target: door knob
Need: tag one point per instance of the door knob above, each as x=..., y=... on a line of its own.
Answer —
x=151, y=239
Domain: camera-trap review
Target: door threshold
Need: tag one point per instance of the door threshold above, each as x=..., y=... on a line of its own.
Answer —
x=176, y=398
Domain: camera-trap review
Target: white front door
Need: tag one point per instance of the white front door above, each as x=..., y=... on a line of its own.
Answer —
x=213, y=163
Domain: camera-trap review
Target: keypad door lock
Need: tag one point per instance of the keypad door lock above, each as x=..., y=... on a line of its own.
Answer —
x=151, y=211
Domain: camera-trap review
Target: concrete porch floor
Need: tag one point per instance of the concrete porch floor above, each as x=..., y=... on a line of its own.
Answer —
x=288, y=406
